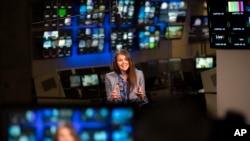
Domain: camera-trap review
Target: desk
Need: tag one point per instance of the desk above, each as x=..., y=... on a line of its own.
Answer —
x=68, y=101
x=211, y=102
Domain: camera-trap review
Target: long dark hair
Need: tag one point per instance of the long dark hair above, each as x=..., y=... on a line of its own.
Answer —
x=131, y=70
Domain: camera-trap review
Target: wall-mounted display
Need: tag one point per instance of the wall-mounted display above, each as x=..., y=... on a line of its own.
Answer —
x=95, y=25
x=229, y=24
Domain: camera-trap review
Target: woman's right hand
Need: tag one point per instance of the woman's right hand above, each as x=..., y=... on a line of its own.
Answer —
x=114, y=94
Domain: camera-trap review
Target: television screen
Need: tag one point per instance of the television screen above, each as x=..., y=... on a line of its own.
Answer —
x=90, y=123
x=91, y=40
x=148, y=37
x=50, y=39
x=91, y=12
x=174, y=31
x=122, y=39
x=204, y=62
x=64, y=44
x=75, y=81
x=177, y=4
x=126, y=9
x=199, y=28
x=197, y=21
x=229, y=24
x=51, y=34
x=176, y=16
x=148, y=12
x=90, y=80
x=57, y=43
x=57, y=14
x=173, y=11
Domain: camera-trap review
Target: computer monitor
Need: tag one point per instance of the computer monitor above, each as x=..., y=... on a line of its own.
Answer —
x=126, y=10
x=89, y=80
x=148, y=37
x=91, y=40
x=122, y=39
x=174, y=32
x=204, y=62
x=228, y=24
x=199, y=27
x=91, y=12
x=148, y=12
x=75, y=81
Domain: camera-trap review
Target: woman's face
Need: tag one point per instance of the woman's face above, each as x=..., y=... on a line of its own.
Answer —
x=122, y=62
x=64, y=134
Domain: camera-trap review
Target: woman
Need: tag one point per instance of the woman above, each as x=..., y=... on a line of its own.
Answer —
x=66, y=132
x=125, y=85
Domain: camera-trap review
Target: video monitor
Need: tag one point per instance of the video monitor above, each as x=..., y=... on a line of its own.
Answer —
x=174, y=32
x=197, y=21
x=173, y=11
x=57, y=13
x=148, y=12
x=199, y=27
x=126, y=10
x=92, y=12
x=177, y=11
x=90, y=40
x=176, y=16
x=177, y=4
x=49, y=14
x=65, y=11
x=57, y=43
x=90, y=123
x=75, y=81
x=53, y=34
x=204, y=62
x=89, y=80
x=163, y=15
x=49, y=47
x=64, y=43
x=122, y=39
x=229, y=24
x=148, y=37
